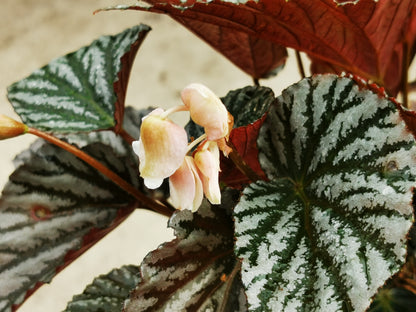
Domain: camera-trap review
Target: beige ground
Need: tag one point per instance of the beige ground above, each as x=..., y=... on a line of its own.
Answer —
x=32, y=32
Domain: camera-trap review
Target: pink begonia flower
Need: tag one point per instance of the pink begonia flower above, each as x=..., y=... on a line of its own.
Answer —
x=185, y=186
x=207, y=110
x=207, y=160
x=161, y=149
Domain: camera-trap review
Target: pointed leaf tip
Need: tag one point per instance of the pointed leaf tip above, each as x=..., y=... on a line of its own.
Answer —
x=81, y=91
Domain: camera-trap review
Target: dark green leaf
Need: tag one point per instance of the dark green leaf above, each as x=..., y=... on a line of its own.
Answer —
x=107, y=293
x=330, y=227
x=394, y=300
x=248, y=104
x=198, y=270
x=81, y=91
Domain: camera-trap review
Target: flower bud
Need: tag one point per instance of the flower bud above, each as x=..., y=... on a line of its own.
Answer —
x=10, y=128
x=185, y=186
x=161, y=148
x=207, y=160
x=207, y=110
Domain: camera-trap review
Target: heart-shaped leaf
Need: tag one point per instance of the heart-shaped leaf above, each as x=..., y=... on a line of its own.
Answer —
x=363, y=37
x=55, y=207
x=330, y=227
x=82, y=91
x=107, y=292
x=198, y=270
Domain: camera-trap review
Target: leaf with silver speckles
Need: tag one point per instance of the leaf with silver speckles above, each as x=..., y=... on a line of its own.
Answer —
x=330, y=227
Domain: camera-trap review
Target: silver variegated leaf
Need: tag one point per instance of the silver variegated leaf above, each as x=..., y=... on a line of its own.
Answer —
x=330, y=227
x=107, y=293
x=198, y=270
x=82, y=91
x=55, y=207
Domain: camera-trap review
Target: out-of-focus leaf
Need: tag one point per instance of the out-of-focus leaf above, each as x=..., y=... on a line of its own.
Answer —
x=82, y=91
x=394, y=300
x=198, y=270
x=362, y=37
x=107, y=293
x=331, y=225
x=55, y=207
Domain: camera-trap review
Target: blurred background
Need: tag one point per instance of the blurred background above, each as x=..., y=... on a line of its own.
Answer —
x=33, y=32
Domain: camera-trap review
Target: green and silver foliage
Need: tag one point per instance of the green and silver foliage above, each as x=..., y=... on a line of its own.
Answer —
x=330, y=226
x=55, y=204
x=197, y=271
x=82, y=91
x=107, y=293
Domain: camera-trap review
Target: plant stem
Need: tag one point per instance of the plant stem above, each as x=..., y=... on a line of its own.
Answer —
x=126, y=136
x=241, y=164
x=405, y=78
x=178, y=108
x=196, y=141
x=300, y=65
x=123, y=184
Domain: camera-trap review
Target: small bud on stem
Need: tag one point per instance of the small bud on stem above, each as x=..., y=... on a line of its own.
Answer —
x=10, y=128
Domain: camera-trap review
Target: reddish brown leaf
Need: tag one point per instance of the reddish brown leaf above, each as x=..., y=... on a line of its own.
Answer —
x=409, y=117
x=365, y=38
x=244, y=142
x=257, y=57
x=120, y=85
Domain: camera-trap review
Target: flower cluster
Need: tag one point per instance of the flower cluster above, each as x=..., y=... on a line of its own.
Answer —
x=164, y=152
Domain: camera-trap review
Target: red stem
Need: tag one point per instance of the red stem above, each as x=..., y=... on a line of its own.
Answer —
x=300, y=65
x=126, y=136
x=405, y=77
x=143, y=199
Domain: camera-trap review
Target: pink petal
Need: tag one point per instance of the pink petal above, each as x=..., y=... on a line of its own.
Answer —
x=208, y=164
x=207, y=110
x=186, y=187
x=161, y=148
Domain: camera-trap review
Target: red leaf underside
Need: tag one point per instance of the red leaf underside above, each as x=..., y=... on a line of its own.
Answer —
x=244, y=141
x=365, y=38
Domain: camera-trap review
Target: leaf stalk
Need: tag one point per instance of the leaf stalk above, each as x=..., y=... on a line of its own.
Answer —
x=123, y=184
x=300, y=65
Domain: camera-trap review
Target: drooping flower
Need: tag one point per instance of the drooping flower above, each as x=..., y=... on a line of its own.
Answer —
x=207, y=160
x=207, y=110
x=10, y=128
x=185, y=186
x=161, y=149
